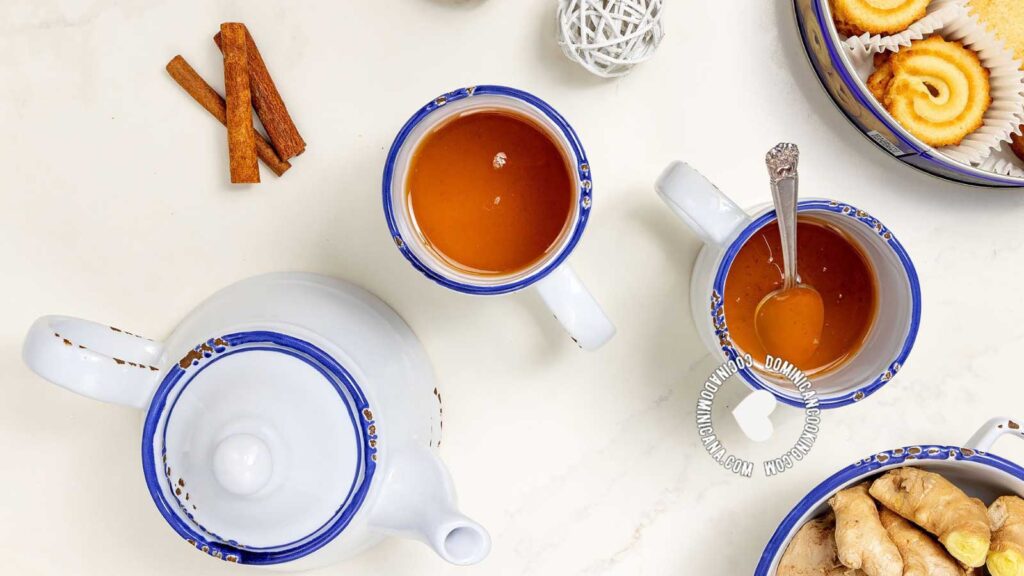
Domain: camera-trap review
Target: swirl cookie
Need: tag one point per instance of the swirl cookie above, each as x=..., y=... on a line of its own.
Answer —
x=878, y=83
x=855, y=17
x=938, y=90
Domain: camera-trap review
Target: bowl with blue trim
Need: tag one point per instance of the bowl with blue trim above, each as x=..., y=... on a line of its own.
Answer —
x=970, y=466
x=834, y=66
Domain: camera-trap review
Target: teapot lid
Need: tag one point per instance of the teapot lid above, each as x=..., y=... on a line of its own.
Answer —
x=259, y=447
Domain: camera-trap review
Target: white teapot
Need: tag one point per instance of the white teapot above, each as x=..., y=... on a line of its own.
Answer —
x=292, y=419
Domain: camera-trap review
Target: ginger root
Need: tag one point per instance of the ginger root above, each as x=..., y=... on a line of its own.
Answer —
x=861, y=540
x=935, y=504
x=922, y=556
x=812, y=552
x=1006, y=555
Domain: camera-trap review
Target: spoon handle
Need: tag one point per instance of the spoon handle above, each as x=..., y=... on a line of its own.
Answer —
x=782, y=162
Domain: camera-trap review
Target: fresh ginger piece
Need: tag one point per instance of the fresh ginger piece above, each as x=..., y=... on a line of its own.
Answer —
x=935, y=504
x=861, y=540
x=922, y=555
x=841, y=570
x=812, y=552
x=1006, y=555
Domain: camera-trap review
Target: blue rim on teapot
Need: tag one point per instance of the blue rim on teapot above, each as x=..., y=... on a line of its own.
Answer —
x=164, y=486
x=571, y=144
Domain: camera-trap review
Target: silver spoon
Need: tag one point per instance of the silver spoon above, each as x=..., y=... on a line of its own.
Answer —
x=788, y=321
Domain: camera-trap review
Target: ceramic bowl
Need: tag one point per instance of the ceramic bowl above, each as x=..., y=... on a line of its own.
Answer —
x=834, y=69
x=978, y=472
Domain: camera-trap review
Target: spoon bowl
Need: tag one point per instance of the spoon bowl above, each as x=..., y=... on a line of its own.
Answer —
x=789, y=322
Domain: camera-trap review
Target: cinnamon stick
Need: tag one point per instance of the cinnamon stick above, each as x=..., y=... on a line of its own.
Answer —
x=268, y=103
x=241, y=136
x=208, y=98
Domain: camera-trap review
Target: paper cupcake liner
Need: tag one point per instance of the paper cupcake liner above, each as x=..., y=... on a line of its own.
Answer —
x=863, y=61
x=940, y=13
x=1006, y=80
x=1006, y=114
x=1003, y=162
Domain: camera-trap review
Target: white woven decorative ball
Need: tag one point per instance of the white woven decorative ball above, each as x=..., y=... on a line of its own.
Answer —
x=609, y=37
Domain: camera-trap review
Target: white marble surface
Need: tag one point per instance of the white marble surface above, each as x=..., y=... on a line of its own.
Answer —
x=115, y=208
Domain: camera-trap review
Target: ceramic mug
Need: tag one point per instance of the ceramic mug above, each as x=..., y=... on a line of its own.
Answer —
x=724, y=228
x=551, y=277
x=971, y=467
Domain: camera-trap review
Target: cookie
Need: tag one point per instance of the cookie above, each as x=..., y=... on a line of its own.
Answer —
x=938, y=90
x=855, y=17
x=1005, y=19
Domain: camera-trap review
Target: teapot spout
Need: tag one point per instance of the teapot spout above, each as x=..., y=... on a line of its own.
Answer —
x=418, y=501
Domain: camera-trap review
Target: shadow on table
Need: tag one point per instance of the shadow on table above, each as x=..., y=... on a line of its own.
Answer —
x=661, y=297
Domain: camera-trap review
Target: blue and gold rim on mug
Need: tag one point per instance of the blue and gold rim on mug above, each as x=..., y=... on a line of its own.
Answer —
x=839, y=63
x=204, y=356
x=859, y=470
x=887, y=237
x=583, y=172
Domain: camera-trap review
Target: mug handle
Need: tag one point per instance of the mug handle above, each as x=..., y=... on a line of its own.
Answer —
x=699, y=204
x=575, y=308
x=94, y=360
x=715, y=218
x=992, y=430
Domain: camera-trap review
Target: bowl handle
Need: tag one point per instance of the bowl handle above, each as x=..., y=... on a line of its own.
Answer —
x=94, y=360
x=983, y=439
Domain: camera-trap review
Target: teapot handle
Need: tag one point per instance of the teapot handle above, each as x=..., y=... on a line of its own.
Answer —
x=94, y=360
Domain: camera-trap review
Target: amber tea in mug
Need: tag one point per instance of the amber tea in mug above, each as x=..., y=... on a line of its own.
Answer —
x=829, y=261
x=490, y=191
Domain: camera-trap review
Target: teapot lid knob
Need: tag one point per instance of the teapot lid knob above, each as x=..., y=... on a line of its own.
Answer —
x=242, y=464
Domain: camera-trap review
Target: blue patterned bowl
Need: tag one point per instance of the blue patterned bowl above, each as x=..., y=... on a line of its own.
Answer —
x=833, y=67
x=971, y=467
